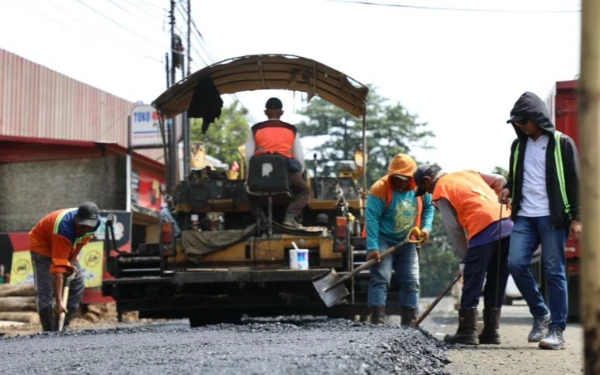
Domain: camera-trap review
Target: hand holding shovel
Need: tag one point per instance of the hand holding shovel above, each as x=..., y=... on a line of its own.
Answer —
x=65, y=298
x=330, y=286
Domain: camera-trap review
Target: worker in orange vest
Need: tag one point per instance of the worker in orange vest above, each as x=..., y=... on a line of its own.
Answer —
x=479, y=229
x=276, y=136
x=392, y=211
x=55, y=242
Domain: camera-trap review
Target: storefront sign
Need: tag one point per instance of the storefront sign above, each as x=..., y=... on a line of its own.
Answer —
x=145, y=127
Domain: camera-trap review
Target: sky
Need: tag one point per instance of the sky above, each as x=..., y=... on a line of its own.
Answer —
x=459, y=71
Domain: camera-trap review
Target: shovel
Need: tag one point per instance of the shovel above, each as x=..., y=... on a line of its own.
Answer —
x=436, y=301
x=65, y=297
x=331, y=287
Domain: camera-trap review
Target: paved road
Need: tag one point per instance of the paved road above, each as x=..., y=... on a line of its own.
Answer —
x=294, y=346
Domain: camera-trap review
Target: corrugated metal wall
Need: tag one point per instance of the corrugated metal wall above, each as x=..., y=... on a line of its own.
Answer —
x=38, y=102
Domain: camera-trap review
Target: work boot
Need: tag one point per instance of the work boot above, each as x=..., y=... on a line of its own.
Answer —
x=467, y=328
x=554, y=339
x=540, y=328
x=47, y=319
x=409, y=316
x=377, y=314
x=290, y=221
x=491, y=323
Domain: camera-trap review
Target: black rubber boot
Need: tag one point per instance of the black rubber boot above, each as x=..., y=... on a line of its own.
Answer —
x=377, y=314
x=491, y=323
x=47, y=319
x=409, y=316
x=467, y=328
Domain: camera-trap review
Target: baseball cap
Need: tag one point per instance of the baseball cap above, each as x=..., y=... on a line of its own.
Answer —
x=399, y=176
x=421, y=171
x=87, y=214
x=274, y=103
x=515, y=118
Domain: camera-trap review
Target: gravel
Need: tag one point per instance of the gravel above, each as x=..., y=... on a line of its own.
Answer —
x=295, y=345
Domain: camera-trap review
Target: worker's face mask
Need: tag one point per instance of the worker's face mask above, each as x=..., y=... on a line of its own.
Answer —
x=399, y=183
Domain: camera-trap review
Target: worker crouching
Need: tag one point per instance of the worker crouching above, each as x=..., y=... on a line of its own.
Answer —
x=55, y=242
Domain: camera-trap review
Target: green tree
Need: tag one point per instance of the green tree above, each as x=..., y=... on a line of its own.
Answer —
x=391, y=129
x=225, y=135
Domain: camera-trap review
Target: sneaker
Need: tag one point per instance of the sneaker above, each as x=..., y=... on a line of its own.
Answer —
x=554, y=340
x=540, y=328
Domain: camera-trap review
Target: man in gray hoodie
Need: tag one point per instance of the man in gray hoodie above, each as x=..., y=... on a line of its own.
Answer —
x=543, y=183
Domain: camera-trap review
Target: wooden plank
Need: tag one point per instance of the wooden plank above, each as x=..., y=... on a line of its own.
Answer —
x=21, y=316
x=11, y=304
x=8, y=290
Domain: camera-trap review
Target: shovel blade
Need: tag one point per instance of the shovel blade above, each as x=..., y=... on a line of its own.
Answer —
x=333, y=296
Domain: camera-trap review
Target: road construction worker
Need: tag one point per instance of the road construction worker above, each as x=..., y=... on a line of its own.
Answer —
x=392, y=211
x=276, y=136
x=543, y=182
x=479, y=229
x=55, y=242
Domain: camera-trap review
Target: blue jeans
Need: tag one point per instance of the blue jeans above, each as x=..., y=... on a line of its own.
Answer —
x=527, y=234
x=405, y=262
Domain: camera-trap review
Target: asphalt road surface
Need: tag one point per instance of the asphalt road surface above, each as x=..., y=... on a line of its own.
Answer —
x=296, y=345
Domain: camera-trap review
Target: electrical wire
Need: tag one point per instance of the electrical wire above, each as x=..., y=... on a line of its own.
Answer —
x=120, y=25
x=480, y=10
x=115, y=41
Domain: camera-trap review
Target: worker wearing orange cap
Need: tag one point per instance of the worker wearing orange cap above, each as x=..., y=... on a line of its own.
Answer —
x=392, y=211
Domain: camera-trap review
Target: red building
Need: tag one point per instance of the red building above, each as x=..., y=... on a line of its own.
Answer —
x=63, y=142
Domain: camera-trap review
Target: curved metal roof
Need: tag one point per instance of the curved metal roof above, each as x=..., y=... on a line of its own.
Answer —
x=261, y=72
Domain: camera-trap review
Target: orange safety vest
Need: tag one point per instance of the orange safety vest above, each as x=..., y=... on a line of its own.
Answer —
x=475, y=202
x=54, y=237
x=274, y=136
x=388, y=200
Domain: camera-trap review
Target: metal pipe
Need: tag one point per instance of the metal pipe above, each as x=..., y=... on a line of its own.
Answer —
x=589, y=138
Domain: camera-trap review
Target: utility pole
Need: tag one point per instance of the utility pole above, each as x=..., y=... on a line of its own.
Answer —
x=589, y=140
x=185, y=118
x=173, y=157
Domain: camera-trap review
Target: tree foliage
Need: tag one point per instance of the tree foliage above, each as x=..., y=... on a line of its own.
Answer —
x=225, y=135
x=391, y=129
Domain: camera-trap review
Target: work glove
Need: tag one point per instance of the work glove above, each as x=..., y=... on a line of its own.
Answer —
x=373, y=254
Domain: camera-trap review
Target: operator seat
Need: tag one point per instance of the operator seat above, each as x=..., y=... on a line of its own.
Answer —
x=268, y=176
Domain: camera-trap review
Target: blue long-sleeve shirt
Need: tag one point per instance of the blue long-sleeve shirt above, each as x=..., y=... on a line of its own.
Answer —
x=393, y=223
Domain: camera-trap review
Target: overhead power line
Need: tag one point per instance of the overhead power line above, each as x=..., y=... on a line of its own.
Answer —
x=120, y=25
x=480, y=10
x=115, y=41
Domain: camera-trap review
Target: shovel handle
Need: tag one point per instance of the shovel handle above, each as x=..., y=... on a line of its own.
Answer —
x=418, y=239
x=436, y=301
x=65, y=297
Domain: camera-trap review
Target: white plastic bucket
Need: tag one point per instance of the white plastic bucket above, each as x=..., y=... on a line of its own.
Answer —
x=299, y=259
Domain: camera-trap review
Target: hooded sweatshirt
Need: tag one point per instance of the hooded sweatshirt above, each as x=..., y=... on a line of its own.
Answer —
x=531, y=107
x=392, y=223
